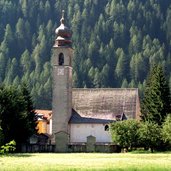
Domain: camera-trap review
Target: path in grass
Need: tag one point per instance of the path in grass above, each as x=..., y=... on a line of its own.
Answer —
x=86, y=161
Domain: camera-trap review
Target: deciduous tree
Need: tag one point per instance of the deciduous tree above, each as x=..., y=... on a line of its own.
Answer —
x=124, y=133
x=166, y=129
x=149, y=135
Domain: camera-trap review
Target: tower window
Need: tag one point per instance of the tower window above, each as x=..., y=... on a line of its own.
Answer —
x=61, y=59
x=106, y=128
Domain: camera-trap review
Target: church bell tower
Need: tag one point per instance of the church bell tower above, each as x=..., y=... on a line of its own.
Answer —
x=62, y=86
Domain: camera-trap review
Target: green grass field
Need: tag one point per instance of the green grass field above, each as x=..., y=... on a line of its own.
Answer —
x=89, y=161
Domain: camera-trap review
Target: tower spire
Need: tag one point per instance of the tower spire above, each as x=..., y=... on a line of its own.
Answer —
x=63, y=34
x=63, y=19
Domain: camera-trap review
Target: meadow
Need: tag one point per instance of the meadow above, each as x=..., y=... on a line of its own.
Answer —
x=86, y=161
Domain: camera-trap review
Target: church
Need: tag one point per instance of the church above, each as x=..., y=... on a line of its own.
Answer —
x=80, y=114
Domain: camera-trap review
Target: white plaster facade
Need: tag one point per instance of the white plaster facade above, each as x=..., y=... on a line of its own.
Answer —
x=49, y=127
x=80, y=132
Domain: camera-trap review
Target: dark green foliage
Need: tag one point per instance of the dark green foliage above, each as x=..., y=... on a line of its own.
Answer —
x=124, y=133
x=30, y=123
x=166, y=130
x=156, y=102
x=149, y=135
x=132, y=134
x=8, y=147
x=115, y=42
x=1, y=135
x=16, y=114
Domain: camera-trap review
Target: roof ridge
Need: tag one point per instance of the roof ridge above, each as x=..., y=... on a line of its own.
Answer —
x=105, y=88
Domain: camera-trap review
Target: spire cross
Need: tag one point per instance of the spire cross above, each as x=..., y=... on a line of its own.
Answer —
x=63, y=13
x=62, y=19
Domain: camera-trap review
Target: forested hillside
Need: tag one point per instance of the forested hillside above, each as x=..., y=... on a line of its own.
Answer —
x=115, y=42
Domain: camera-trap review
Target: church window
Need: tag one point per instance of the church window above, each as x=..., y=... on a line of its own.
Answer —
x=106, y=128
x=61, y=59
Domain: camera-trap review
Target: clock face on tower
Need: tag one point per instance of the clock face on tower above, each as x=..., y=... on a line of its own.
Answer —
x=60, y=71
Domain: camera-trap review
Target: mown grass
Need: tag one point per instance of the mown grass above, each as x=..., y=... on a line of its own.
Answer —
x=86, y=161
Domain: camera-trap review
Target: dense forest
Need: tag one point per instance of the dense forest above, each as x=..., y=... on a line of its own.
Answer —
x=115, y=42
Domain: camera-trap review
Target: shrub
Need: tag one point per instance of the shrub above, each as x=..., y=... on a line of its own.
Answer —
x=8, y=147
x=166, y=130
x=124, y=133
x=149, y=135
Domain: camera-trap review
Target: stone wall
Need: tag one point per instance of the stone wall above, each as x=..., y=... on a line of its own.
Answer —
x=72, y=148
x=37, y=148
x=98, y=148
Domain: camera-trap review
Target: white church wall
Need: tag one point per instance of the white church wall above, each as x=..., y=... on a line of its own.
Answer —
x=80, y=132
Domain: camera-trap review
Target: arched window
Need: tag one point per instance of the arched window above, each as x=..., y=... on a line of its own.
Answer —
x=106, y=128
x=61, y=59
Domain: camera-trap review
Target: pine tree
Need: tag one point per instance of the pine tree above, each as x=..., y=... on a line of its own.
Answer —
x=30, y=123
x=120, y=70
x=25, y=61
x=2, y=67
x=12, y=114
x=16, y=113
x=156, y=101
x=24, y=7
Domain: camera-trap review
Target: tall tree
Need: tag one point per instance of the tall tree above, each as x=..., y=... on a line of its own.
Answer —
x=30, y=123
x=156, y=103
x=120, y=70
x=16, y=114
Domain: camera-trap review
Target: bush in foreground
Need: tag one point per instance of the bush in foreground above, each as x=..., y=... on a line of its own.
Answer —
x=8, y=147
x=166, y=130
x=124, y=133
x=149, y=135
x=131, y=133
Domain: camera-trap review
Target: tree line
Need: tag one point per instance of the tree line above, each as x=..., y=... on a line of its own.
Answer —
x=115, y=42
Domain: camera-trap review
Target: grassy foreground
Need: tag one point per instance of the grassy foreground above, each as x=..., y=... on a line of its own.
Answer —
x=90, y=161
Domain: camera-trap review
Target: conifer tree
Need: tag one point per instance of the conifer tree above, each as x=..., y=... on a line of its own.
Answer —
x=2, y=67
x=120, y=69
x=30, y=123
x=16, y=114
x=156, y=101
